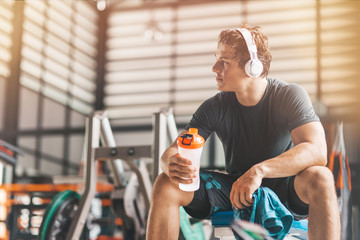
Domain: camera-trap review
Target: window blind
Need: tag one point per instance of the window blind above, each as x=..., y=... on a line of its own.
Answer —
x=59, y=52
x=139, y=69
x=340, y=49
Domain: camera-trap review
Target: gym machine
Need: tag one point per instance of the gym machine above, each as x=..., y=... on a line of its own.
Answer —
x=67, y=216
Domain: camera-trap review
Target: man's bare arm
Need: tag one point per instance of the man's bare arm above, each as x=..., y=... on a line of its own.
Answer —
x=309, y=150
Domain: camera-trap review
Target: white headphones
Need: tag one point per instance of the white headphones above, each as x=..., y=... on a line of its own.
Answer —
x=253, y=67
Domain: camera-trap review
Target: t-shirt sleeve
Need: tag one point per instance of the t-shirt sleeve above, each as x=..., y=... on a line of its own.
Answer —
x=205, y=117
x=298, y=107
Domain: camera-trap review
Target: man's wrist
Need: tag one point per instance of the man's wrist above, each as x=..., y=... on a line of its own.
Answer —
x=260, y=170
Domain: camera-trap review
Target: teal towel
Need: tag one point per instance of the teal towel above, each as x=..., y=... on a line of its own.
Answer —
x=268, y=211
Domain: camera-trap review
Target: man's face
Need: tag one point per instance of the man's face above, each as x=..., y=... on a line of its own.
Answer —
x=228, y=73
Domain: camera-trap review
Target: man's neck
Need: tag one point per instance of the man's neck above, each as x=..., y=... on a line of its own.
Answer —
x=251, y=92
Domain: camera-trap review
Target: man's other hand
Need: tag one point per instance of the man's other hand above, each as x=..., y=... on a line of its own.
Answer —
x=243, y=189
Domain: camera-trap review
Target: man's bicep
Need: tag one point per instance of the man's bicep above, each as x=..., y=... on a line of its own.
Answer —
x=298, y=107
x=311, y=132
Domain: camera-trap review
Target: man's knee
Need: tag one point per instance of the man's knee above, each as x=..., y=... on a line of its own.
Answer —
x=165, y=190
x=319, y=177
x=315, y=181
x=162, y=185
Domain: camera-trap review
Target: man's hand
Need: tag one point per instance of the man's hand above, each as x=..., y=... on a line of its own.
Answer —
x=243, y=189
x=180, y=168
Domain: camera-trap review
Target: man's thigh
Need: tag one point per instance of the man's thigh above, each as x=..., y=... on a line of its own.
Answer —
x=212, y=196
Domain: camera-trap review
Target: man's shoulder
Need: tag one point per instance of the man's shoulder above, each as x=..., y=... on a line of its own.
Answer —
x=282, y=88
x=218, y=104
x=277, y=84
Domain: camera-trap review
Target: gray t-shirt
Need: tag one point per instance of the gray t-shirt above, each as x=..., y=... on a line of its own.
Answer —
x=253, y=134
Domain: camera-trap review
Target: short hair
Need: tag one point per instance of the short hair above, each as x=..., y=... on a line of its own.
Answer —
x=234, y=39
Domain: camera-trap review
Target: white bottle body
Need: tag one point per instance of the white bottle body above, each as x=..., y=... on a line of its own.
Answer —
x=194, y=155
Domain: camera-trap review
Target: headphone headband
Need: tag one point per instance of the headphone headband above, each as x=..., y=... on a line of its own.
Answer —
x=253, y=67
x=250, y=42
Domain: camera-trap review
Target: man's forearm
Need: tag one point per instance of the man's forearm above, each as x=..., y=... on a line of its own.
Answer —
x=164, y=161
x=293, y=161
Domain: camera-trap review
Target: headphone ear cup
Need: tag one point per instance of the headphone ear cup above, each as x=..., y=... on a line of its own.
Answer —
x=253, y=68
x=248, y=68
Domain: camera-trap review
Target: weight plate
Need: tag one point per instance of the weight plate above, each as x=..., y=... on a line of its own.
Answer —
x=58, y=216
x=60, y=224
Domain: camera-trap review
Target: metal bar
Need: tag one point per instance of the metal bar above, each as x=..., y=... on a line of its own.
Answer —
x=145, y=189
x=101, y=59
x=159, y=142
x=11, y=147
x=108, y=140
x=124, y=153
x=66, y=152
x=4, y=158
x=171, y=124
x=80, y=218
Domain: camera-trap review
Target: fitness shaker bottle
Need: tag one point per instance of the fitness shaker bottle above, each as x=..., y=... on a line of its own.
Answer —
x=190, y=146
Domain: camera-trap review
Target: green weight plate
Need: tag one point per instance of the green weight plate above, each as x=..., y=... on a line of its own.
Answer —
x=52, y=211
x=61, y=223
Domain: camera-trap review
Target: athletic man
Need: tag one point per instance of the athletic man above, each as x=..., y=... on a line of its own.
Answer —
x=271, y=137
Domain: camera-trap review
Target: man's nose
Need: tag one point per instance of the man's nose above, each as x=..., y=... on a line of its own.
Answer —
x=216, y=67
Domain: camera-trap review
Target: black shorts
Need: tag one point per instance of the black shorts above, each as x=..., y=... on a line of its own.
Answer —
x=214, y=195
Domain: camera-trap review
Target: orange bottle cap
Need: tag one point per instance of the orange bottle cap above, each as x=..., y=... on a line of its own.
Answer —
x=191, y=139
